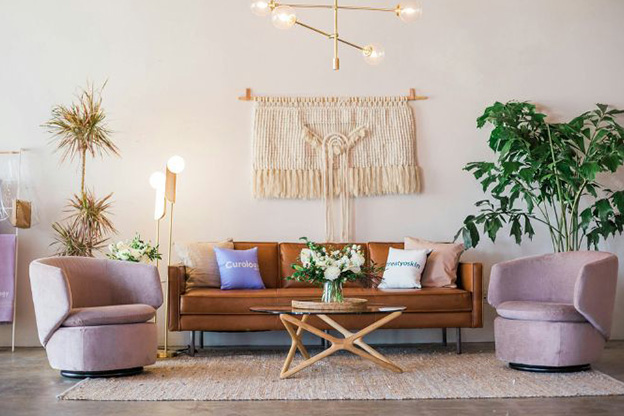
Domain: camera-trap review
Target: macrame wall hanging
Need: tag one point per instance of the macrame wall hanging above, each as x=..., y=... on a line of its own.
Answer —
x=330, y=147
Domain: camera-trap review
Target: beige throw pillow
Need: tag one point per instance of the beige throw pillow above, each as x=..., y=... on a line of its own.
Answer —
x=202, y=269
x=441, y=266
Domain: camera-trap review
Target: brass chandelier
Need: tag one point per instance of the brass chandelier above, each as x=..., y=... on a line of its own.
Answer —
x=283, y=16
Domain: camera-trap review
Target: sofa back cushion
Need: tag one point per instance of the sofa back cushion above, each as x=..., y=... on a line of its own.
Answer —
x=267, y=259
x=378, y=252
x=200, y=262
x=289, y=254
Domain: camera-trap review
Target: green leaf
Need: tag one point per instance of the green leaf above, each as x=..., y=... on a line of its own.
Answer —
x=467, y=238
x=492, y=226
x=618, y=201
x=586, y=218
x=516, y=230
x=528, y=228
x=602, y=107
x=603, y=209
x=589, y=170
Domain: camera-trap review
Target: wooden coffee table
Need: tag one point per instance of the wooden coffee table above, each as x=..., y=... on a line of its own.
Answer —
x=351, y=342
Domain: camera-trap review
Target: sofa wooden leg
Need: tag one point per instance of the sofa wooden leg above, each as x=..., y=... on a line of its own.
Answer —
x=201, y=339
x=444, y=343
x=459, y=341
x=192, y=346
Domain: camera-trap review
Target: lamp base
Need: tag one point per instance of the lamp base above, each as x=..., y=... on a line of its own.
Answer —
x=166, y=354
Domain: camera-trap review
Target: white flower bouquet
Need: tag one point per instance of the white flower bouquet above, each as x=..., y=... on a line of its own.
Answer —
x=135, y=250
x=330, y=268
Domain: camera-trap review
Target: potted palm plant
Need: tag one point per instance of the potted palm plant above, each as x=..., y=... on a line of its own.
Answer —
x=79, y=130
x=549, y=174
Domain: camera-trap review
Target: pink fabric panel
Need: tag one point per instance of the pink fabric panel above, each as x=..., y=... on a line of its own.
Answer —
x=110, y=315
x=549, y=278
x=101, y=282
x=594, y=294
x=51, y=298
x=539, y=311
x=7, y=277
x=103, y=348
x=552, y=344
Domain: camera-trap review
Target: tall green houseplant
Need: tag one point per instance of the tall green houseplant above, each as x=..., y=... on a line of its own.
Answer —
x=549, y=174
x=79, y=130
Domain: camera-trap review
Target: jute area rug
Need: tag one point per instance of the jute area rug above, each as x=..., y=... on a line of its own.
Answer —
x=254, y=375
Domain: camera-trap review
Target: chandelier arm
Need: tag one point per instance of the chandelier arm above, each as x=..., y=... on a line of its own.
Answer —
x=329, y=35
x=327, y=6
x=353, y=45
x=319, y=31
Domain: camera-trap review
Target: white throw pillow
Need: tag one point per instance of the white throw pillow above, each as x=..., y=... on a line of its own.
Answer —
x=404, y=269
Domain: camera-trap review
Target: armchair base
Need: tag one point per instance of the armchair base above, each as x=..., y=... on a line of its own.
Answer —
x=547, y=369
x=102, y=374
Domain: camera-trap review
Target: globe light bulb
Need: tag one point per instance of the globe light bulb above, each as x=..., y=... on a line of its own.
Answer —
x=157, y=180
x=409, y=11
x=175, y=164
x=260, y=7
x=373, y=54
x=284, y=17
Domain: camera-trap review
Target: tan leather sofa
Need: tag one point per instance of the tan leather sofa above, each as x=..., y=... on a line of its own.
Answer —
x=210, y=309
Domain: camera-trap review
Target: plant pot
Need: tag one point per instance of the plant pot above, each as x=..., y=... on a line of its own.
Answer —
x=332, y=292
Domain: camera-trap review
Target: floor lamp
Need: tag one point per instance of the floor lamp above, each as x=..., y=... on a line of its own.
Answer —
x=157, y=181
x=175, y=165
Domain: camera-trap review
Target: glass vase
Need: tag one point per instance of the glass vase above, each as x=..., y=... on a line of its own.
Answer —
x=332, y=292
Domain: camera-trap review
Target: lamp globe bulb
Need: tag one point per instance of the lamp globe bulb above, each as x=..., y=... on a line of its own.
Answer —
x=373, y=54
x=409, y=11
x=157, y=180
x=260, y=7
x=175, y=164
x=284, y=17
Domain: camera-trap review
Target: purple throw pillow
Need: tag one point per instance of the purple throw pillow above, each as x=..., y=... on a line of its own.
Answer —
x=239, y=269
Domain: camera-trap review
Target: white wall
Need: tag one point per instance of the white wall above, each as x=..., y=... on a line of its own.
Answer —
x=175, y=69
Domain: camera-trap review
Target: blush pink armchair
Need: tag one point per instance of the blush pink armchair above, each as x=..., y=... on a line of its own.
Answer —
x=93, y=315
x=554, y=311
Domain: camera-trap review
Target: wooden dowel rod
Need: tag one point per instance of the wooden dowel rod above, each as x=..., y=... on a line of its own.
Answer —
x=410, y=97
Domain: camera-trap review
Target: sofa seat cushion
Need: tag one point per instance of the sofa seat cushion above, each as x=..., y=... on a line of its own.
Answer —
x=206, y=301
x=110, y=315
x=539, y=311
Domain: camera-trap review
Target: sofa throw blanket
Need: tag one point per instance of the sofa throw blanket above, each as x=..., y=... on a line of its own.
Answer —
x=7, y=277
x=326, y=147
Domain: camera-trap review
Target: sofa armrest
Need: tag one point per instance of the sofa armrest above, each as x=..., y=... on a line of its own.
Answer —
x=177, y=283
x=51, y=298
x=594, y=293
x=470, y=278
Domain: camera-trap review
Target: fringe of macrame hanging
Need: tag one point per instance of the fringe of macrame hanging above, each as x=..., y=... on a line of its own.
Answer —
x=308, y=184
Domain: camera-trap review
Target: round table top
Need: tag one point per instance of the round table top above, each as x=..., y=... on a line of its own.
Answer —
x=289, y=310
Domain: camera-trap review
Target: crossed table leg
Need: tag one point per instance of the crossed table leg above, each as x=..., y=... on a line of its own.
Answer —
x=351, y=342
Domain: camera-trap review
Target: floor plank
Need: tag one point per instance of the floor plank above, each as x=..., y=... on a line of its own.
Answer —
x=28, y=386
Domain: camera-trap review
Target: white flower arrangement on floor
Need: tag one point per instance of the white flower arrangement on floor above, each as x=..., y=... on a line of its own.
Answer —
x=331, y=268
x=135, y=250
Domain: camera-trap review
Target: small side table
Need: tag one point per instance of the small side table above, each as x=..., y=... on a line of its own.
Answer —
x=351, y=342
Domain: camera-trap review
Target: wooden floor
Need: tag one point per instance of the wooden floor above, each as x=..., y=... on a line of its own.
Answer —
x=29, y=387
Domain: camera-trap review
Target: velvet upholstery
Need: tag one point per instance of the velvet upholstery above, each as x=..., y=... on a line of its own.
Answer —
x=539, y=311
x=554, y=310
x=110, y=315
x=92, y=314
x=103, y=348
